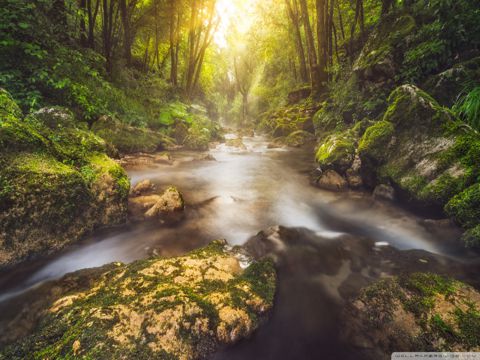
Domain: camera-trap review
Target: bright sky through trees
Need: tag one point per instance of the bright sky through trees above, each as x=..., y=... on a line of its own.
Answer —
x=234, y=13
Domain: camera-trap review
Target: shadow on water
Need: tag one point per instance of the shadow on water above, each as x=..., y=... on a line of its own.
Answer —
x=331, y=254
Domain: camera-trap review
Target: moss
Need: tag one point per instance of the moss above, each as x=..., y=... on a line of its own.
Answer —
x=8, y=106
x=471, y=238
x=411, y=107
x=381, y=44
x=337, y=151
x=129, y=139
x=465, y=207
x=57, y=184
x=171, y=309
x=299, y=138
x=101, y=164
x=444, y=312
x=374, y=142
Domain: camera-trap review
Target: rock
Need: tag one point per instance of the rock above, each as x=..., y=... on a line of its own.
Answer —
x=163, y=158
x=331, y=180
x=169, y=202
x=129, y=139
x=143, y=187
x=277, y=143
x=384, y=192
x=417, y=312
x=236, y=143
x=184, y=308
x=58, y=184
x=299, y=138
x=354, y=178
x=447, y=86
x=337, y=152
x=207, y=157
x=376, y=61
x=428, y=155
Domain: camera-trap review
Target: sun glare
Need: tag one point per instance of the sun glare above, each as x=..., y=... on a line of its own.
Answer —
x=238, y=14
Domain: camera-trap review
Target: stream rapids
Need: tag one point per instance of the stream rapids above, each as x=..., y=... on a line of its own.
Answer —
x=326, y=245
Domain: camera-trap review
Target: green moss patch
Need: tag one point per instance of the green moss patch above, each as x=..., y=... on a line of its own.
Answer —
x=419, y=312
x=183, y=307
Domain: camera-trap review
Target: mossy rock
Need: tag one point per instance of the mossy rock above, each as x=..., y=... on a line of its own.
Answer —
x=375, y=141
x=337, y=152
x=377, y=59
x=8, y=106
x=418, y=312
x=447, y=86
x=465, y=209
x=424, y=152
x=129, y=139
x=56, y=183
x=177, y=308
x=299, y=138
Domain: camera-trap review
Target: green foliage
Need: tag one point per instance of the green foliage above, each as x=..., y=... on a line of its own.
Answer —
x=468, y=108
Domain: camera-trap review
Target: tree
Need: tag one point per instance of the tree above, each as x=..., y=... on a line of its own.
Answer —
x=294, y=16
x=203, y=24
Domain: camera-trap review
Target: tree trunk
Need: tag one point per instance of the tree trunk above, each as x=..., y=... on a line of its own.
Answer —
x=322, y=40
x=125, y=14
x=312, y=56
x=294, y=17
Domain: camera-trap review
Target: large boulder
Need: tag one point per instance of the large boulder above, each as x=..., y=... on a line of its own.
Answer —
x=429, y=156
x=420, y=312
x=56, y=182
x=178, y=308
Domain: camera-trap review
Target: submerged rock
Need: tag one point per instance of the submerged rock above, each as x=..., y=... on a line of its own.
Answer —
x=384, y=192
x=143, y=187
x=331, y=180
x=169, y=202
x=418, y=312
x=179, y=308
x=236, y=143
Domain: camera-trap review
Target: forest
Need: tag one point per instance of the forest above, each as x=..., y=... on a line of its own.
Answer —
x=239, y=179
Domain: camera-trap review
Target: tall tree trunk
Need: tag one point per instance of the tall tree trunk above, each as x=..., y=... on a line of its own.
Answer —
x=294, y=17
x=199, y=38
x=312, y=56
x=108, y=33
x=92, y=20
x=322, y=40
x=174, y=43
x=83, y=26
x=126, y=14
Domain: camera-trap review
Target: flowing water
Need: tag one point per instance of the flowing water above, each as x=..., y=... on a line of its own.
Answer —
x=329, y=244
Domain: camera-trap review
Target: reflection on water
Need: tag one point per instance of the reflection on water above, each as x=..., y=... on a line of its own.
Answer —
x=234, y=197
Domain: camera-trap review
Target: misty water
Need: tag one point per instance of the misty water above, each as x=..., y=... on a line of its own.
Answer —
x=327, y=245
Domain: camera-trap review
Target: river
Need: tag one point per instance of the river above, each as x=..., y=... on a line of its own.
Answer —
x=328, y=245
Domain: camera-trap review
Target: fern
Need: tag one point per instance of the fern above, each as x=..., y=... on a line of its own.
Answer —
x=468, y=107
